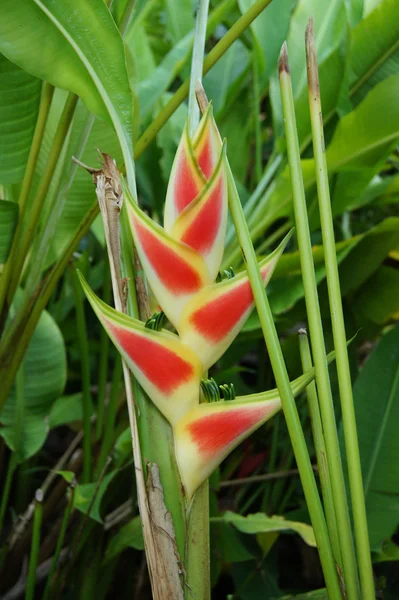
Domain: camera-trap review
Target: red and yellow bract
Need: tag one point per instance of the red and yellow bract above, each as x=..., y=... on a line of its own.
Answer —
x=181, y=262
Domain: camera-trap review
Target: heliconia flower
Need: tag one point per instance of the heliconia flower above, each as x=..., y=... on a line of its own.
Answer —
x=213, y=317
x=209, y=432
x=174, y=270
x=193, y=165
x=202, y=224
x=168, y=371
x=181, y=261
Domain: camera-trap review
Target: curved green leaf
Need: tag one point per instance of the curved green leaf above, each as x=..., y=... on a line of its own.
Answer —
x=8, y=222
x=19, y=102
x=78, y=197
x=261, y=523
x=376, y=397
x=83, y=54
x=41, y=379
x=363, y=139
x=374, y=52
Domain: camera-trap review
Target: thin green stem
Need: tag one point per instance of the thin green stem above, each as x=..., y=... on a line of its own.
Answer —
x=255, y=200
x=60, y=542
x=320, y=447
x=287, y=399
x=43, y=241
x=338, y=326
x=40, y=196
x=197, y=554
x=214, y=55
x=316, y=331
x=258, y=133
x=197, y=63
x=112, y=409
x=85, y=369
x=12, y=464
x=35, y=546
x=198, y=550
x=44, y=109
x=103, y=361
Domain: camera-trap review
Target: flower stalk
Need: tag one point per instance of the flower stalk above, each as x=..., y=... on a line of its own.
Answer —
x=338, y=325
x=316, y=330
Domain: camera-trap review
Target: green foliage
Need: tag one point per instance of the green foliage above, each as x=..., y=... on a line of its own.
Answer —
x=376, y=393
x=19, y=102
x=72, y=54
x=261, y=523
x=41, y=379
x=123, y=85
x=8, y=222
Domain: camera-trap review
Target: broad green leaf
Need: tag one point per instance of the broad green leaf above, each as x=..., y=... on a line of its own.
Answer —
x=19, y=102
x=376, y=398
x=83, y=54
x=151, y=89
x=270, y=30
x=140, y=59
x=381, y=190
x=378, y=298
x=66, y=409
x=128, y=536
x=330, y=34
x=8, y=223
x=368, y=254
x=179, y=18
x=314, y=595
x=77, y=198
x=374, y=51
x=389, y=552
x=40, y=381
x=362, y=139
x=358, y=258
x=226, y=75
x=329, y=26
x=261, y=523
x=227, y=543
x=369, y=6
x=88, y=497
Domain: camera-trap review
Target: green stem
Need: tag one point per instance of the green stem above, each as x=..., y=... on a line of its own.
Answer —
x=258, y=133
x=338, y=326
x=58, y=548
x=287, y=399
x=44, y=109
x=85, y=368
x=255, y=200
x=12, y=464
x=103, y=361
x=35, y=546
x=40, y=197
x=112, y=409
x=320, y=447
x=197, y=63
x=316, y=331
x=43, y=241
x=214, y=55
x=197, y=551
